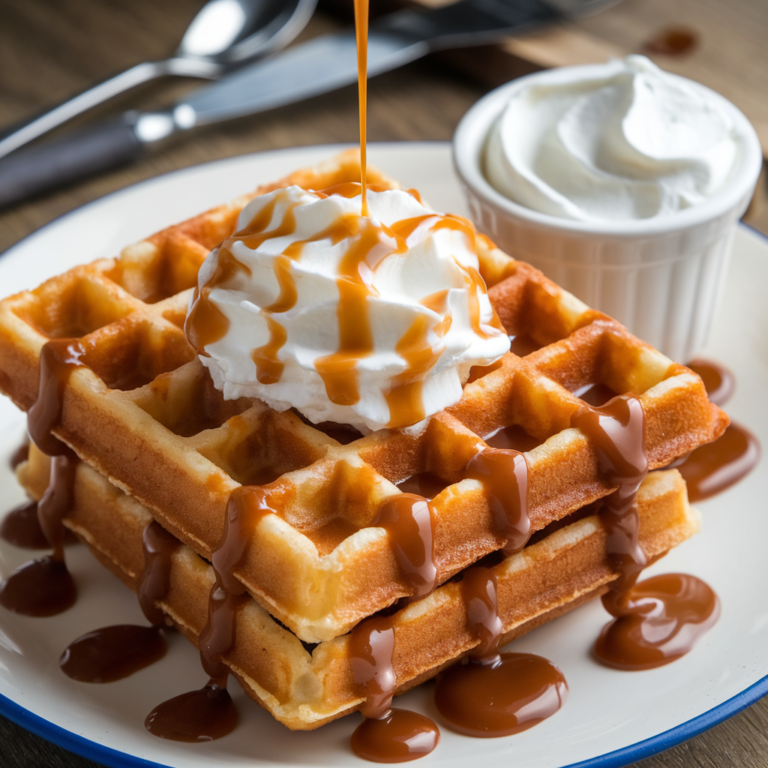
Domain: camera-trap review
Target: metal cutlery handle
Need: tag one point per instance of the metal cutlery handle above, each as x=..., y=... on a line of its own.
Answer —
x=22, y=133
x=73, y=157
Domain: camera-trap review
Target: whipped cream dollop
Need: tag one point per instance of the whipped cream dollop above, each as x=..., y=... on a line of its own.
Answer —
x=372, y=321
x=613, y=142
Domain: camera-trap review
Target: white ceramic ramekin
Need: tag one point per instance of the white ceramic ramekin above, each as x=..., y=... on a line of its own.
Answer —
x=660, y=277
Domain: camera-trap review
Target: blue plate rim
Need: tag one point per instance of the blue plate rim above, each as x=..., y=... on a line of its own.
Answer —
x=640, y=750
x=112, y=758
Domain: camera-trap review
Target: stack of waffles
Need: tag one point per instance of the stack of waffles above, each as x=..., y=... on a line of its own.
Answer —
x=156, y=441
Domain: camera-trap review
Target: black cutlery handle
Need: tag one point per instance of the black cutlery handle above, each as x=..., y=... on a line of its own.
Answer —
x=75, y=156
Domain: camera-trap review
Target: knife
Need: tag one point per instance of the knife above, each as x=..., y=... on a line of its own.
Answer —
x=312, y=68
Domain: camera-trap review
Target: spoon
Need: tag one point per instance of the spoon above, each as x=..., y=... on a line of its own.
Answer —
x=223, y=35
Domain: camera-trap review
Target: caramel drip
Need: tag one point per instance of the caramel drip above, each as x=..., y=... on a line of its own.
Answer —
x=195, y=716
x=370, y=648
x=269, y=368
x=479, y=588
x=57, y=501
x=154, y=583
x=663, y=619
x=386, y=734
x=246, y=507
x=714, y=467
x=288, y=294
x=504, y=475
x=719, y=382
x=58, y=360
x=660, y=619
x=339, y=370
x=350, y=189
x=206, y=323
x=208, y=713
x=44, y=587
x=475, y=288
x=398, y=737
x=112, y=653
x=409, y=522
x=405, y=401
x=361, y=35
x=617, y=431
x=21, y=527
x=218, y=635
x=496, y=694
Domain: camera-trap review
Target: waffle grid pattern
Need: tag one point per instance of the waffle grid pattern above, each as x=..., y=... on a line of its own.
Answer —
x=305, y=687
x=145, y=415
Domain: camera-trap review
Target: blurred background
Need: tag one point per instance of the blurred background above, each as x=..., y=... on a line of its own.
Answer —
x=52, y=49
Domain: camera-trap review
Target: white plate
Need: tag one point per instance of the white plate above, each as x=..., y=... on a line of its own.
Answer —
x=612, y=718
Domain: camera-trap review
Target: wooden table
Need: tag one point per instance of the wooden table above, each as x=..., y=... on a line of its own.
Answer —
x=50, y=49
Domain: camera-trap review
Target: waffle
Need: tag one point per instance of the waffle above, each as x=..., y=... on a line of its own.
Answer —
x=305, y=687
x=144, y=414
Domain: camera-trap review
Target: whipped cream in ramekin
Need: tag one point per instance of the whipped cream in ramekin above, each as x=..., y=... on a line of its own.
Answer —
x=369, y=321
x=618, y=142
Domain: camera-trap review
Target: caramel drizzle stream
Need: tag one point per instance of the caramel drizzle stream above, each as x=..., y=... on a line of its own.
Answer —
x=361, y=36
x=617, y=430
x=370, y=651
x=409, y=522
x=246, y=507
x=504, y=475
x=158, y=546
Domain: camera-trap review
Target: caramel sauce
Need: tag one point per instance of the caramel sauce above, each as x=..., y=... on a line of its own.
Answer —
x=218, y=635
x=21, y=528
x=339, y=370
x=496, y=694
x=504, y=475
x=361, y=36
x=58, y=360
x=617, y=431
x=206, y=323
x=385, y=735
x=716, y=466
x=42, y=587
x=510, y=696
x=660, y=619
x=112, y=653
x=397, y=737
x=409, y=522
x=195, y=716
x=425, y=484
x=208, y=713
x=513, y=438
x=663, y=618
x=675, y=41
x=115, y=652
x=719, y=382
x=154, y=583
x=269, y=368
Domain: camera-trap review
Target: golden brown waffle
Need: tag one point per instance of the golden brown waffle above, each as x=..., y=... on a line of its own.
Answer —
x=144, y=414
x=305, y=688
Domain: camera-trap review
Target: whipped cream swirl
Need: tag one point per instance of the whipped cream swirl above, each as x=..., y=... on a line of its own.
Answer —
x=614, y=142
x=369, y=321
